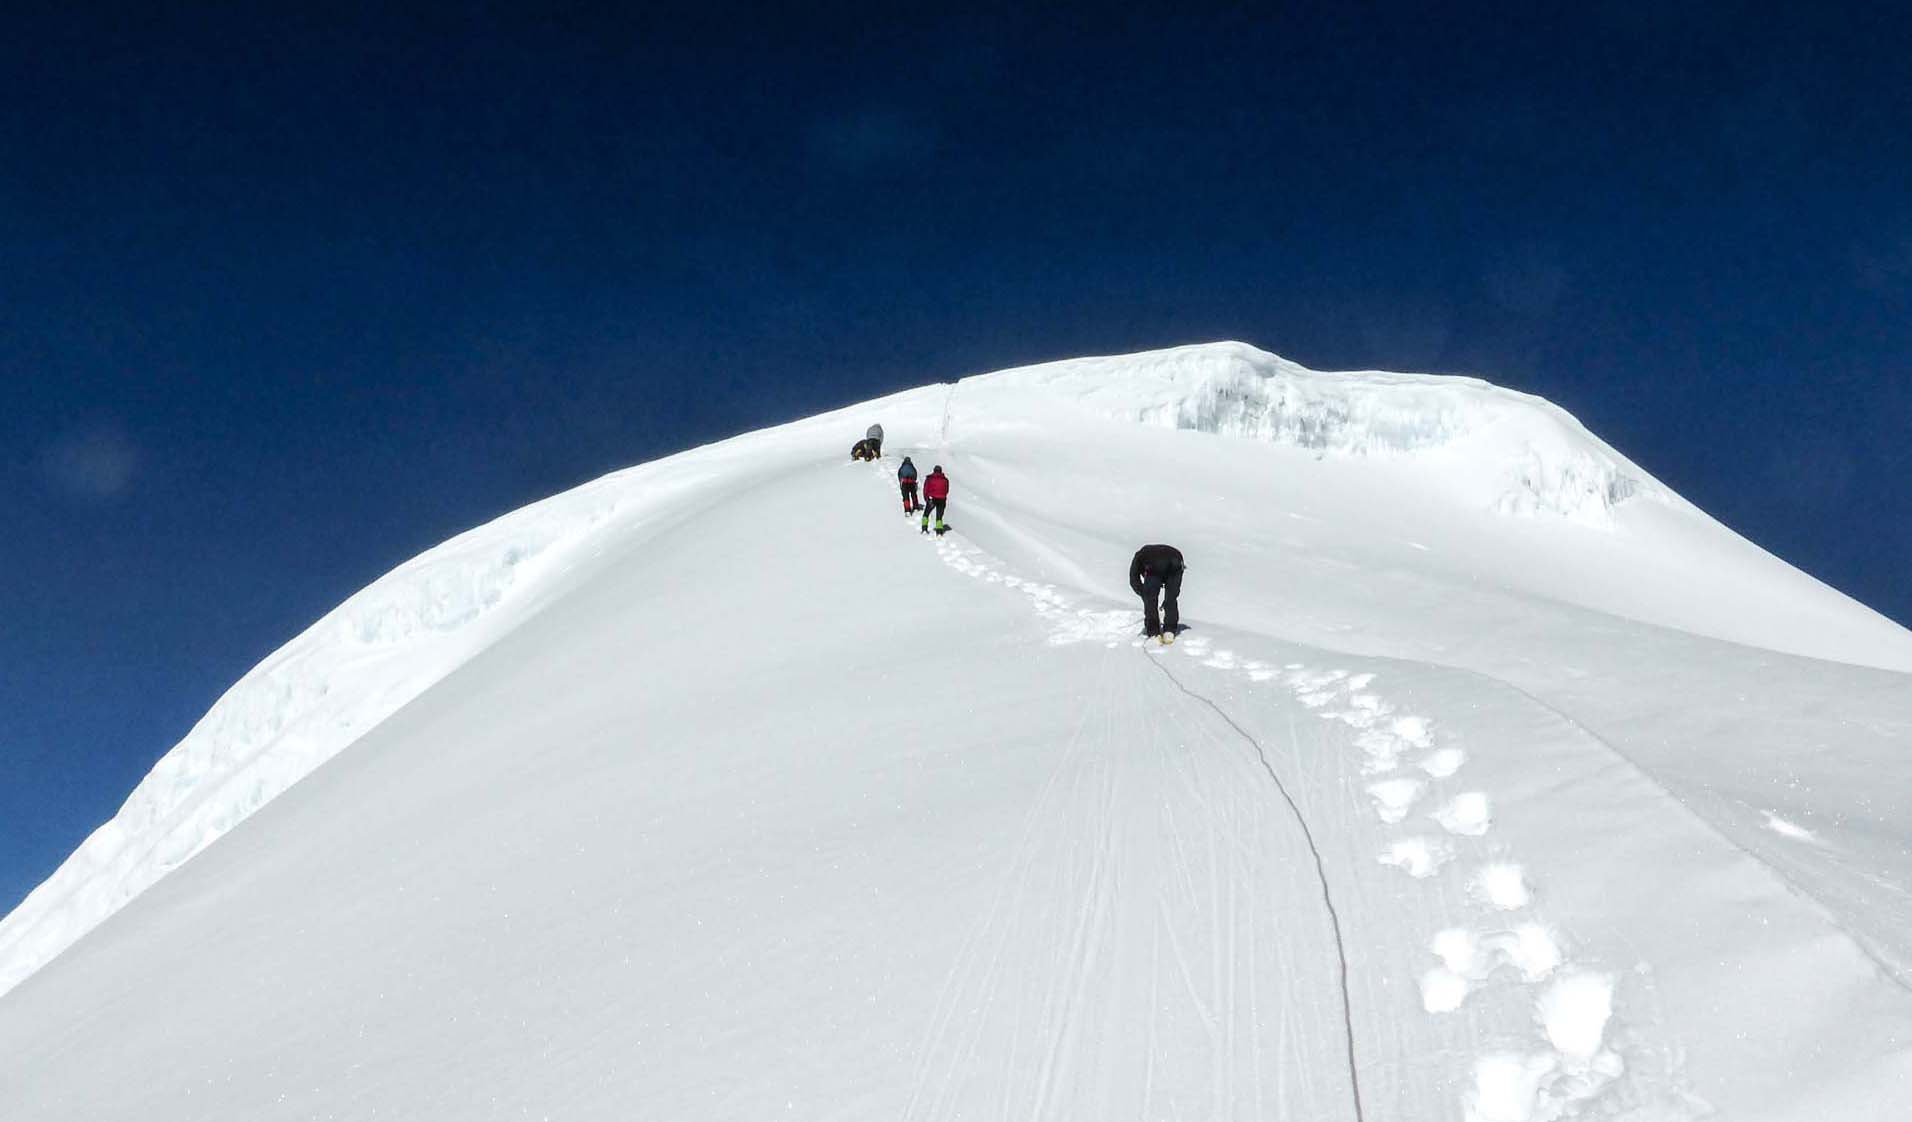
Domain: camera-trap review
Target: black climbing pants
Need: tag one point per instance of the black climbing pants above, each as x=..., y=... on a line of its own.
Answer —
x=1167, y=587
x=909, y=496
x=933, y=506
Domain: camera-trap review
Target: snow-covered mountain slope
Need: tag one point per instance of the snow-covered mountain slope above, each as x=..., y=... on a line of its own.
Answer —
x=1494, y=781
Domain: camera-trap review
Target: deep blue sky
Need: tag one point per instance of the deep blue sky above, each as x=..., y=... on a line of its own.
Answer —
x=286, y=298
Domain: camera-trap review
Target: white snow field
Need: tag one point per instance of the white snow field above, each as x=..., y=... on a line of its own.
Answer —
x=1493, y=782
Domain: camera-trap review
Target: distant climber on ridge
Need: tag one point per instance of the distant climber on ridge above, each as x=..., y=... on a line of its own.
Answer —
x=906, y=479
x=875, y=437
x=935, y=496
x=1157, y=570
x=863, y=450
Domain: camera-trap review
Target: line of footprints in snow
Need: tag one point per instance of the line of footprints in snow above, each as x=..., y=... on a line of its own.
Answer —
x=1403, y=761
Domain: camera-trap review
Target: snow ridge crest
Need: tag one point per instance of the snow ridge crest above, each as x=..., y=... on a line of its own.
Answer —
x=1512, y=453
x=299, y=707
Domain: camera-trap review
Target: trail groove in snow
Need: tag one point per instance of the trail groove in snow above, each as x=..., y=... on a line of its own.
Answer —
x=1508, y=1087
x=1112, y=627
x=1572, y=1066
x=1321, y=871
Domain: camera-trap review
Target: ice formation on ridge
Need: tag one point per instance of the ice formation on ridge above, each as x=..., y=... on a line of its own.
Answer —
x=1542, y=460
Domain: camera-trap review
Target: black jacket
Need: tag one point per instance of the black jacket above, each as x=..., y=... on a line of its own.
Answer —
x=1158, y=560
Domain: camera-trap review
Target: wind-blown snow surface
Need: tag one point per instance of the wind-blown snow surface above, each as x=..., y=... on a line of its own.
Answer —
x=1494, y=782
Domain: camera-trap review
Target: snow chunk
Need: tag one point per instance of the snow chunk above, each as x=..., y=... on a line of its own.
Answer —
x=1503, y=885
x=1787, y=829
x=1414, y=731
x=1468, y=815
x=1534, y=951
x=1574, y=1011
x=1418, y=857
x=1393, y=797
x=1442, y=990
x=1443, y=762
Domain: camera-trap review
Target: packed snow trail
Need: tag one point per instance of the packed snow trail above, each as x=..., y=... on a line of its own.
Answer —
x=1566, y=1003
x=1574, y=1068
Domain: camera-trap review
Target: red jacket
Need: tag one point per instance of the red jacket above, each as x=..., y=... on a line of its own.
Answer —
x=936, y=486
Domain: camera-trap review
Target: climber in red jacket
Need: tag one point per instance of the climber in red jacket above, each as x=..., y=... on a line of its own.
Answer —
x=935, y=495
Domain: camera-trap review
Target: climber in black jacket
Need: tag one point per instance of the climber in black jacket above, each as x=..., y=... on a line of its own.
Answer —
x=1157, y=570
